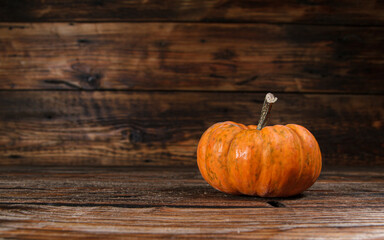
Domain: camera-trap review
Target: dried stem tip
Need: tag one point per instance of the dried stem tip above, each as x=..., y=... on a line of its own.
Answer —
x=265, y=112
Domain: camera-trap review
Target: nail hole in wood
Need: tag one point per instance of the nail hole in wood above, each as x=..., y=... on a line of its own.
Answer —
x=276, y=204
x=83, y=41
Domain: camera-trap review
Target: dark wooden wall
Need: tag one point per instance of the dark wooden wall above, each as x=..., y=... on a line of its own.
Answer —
x=99, y=82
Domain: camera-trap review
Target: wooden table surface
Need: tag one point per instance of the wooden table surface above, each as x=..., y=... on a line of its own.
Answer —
x=117, y=203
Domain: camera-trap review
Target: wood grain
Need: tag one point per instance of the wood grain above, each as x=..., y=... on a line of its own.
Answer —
x=117, y=203
x=356, y=12
x=163, y=128
x=192, y=56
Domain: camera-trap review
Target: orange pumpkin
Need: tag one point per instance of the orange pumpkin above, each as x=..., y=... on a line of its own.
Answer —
x=276, y=161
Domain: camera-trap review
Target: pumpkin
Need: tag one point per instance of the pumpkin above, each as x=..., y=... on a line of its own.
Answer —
x=273, y=161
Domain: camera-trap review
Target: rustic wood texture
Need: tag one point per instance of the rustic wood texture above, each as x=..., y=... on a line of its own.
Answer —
x=163, y=128
x=117, y=203
x=357, y=12
x=195, y=56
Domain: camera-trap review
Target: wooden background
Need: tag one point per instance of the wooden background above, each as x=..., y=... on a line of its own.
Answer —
x=136, y=83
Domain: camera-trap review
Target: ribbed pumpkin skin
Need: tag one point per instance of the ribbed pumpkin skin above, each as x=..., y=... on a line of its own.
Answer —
x=277, y=161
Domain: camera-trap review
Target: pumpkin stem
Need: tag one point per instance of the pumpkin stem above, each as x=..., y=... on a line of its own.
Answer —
x=266, y=110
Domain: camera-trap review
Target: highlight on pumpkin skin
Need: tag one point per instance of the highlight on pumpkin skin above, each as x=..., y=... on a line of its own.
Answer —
x=276, y=161
x=213, y=147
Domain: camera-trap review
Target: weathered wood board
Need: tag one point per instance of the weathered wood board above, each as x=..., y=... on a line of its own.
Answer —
x=342, y=12
x=163, y=128
x=192, y=56
x=152, y=203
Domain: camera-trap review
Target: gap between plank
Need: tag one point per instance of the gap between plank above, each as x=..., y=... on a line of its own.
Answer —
x=223, y=21
x=196, y=91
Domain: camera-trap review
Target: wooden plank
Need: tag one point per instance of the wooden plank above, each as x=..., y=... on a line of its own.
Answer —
x=163, y=128
x=170, y=56
x=356, y=12
x=177, y=187
x=46, y=203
